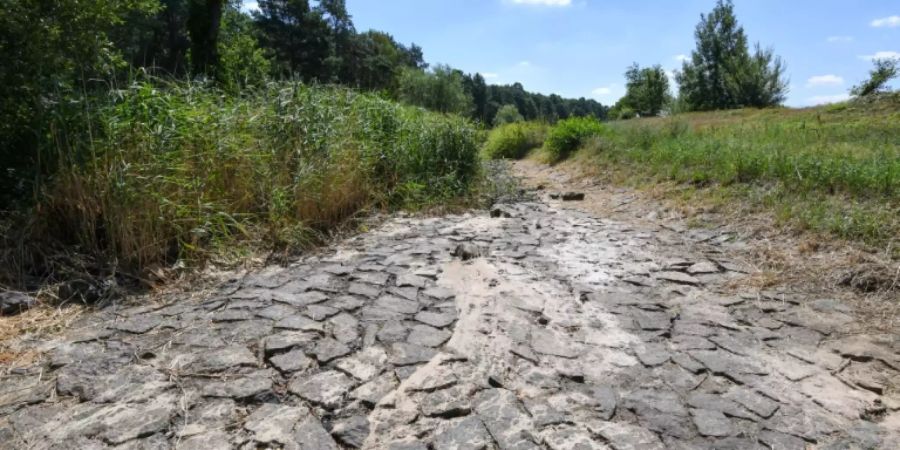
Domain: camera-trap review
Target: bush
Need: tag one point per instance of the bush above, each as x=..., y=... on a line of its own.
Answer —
x=508, y=114
x=570, y=134
x=514, y=140
x=177, y=172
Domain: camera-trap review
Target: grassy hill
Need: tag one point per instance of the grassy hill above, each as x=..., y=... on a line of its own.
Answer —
x=833, y=169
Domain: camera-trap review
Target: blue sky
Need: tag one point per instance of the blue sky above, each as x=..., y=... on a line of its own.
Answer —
x=582, y=47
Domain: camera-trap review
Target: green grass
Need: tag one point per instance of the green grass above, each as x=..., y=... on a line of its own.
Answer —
x=833, y=168
x=158, y=173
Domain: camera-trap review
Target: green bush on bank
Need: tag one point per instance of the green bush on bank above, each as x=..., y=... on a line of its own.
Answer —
x=153, y=174
x=514, y=140
x=570, y=134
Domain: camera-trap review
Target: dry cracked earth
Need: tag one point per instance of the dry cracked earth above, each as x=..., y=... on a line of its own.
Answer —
x=540, y=328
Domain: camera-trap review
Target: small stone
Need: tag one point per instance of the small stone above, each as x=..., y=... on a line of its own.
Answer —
x=364, y=290
x=570, y=438
x=702, y=268
x=287, y=340
x=678, y=278
x=546, y=342
x=403, y=354
x=206, y=441
x=652, y=355
x=508, y=423
x=329, y=349
x=781, y=441
x=244, y=387
x=301, y=323
x=468, y=433
x=276, y=312
x=310, y=435
x=412, y=280
x=325, y=388
x=758, y=404
x=623, y=436
x=428, y=336
x=711, y=423
x=447, y=403
x=397, y=304
x=138, y=325
x=365, y=364
x=303, y=299
x=373, y=391
x=438, y=320
x=273, y=423
x=351, y=432
x=718, y=403
x=542, y=414
x=439, y=293
x=293, y=361
x=345, y=328
x=502, y=211
x=320, y=312
x=573, y=196
x=223, y=359
x=376, y=278
x=468, y=251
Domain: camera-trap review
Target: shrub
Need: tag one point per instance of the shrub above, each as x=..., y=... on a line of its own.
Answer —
x=514, y=140
x=177, y=172
x=570, y=134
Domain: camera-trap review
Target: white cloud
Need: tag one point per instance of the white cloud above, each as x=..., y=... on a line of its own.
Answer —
x=543, y=2
x=250, y=5
x=681, y=57
x=825, y=80
x=602, y=91
x=525, y=63
x=490, y=75
x=891, y=21
x=840, y=39
x=825, y=99
x=882, y=55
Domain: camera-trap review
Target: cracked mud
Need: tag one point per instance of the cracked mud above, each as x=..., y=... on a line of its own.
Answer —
x=558, y=331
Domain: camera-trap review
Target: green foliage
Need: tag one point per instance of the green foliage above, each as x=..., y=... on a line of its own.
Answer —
x=440, y=89
x=177, y=171
x=570, y=134
x=723, y=74
x=647, y=91
x=508, y=114
x=241, y=60
x=845, y=160
x=514, y=140
x=50, y=50
x=884, y=71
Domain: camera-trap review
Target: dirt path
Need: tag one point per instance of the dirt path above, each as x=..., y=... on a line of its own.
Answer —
x=568, y=332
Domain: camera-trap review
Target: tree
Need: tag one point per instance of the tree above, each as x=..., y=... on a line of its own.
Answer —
x=884, y=71
x=297, y=35
x=51, y=52
x=647, y=90
x=508, y=114
x=440, y=89
x=241, y=60
x=722, y=74
x=203, y=26
x=477, y=88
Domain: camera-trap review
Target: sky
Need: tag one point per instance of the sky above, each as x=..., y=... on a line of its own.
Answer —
x=581, y=48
